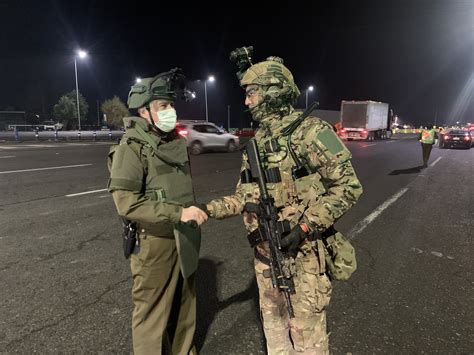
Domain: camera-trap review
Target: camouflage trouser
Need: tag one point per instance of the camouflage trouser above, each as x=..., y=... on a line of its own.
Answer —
x=306, y=332
x=164, y=317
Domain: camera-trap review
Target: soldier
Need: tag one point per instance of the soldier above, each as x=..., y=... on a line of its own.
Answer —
x=151, y=185
x=311, y=202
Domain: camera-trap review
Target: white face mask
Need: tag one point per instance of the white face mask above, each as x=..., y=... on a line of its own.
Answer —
x=167, y=120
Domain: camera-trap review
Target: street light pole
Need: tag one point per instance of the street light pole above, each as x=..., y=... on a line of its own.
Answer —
x=205, y=99
x=310, y=88
x=98, y=115
x=211, y=79
x=81, y=54
x=77, y=96
x=228, y=118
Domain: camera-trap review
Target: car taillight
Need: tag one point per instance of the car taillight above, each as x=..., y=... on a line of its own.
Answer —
x=183, y=132
x=446, y=137
x=466, y=138
x=364, y=131
x=342, y=130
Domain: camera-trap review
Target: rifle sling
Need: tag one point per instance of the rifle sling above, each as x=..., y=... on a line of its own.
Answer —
x=262, y=258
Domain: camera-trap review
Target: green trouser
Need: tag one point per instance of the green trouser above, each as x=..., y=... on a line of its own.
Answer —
x=164, y=317
x=426, y=149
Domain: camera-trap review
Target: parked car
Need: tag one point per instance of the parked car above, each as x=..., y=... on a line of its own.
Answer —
x=471, y=131
x=245, y=132
x=455, y=138
x=51, y=126
x=201, y=136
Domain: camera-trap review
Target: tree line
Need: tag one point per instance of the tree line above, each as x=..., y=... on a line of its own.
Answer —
x=65, y=111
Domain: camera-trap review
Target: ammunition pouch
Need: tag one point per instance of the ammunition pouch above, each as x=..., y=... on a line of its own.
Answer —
x=273, y=175
x=339, y=254
x=271, y=146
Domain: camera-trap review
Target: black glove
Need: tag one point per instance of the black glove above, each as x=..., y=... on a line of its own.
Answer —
x=291, y=242
x=251, y=207
x=202, y=206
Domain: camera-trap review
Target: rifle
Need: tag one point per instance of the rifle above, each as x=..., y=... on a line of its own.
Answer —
x=129, y=236
x=268, y=226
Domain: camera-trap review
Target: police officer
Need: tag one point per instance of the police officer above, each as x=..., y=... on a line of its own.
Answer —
x=427, y=140
x=310, y=202
x=151, y=185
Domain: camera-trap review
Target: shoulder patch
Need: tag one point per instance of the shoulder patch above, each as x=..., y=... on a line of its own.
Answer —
x=318, y=134
x=329, y=139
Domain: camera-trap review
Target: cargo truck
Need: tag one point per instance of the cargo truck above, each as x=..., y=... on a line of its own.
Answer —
x=364, y=120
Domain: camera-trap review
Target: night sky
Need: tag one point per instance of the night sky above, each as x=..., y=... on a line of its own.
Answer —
x=416, y=55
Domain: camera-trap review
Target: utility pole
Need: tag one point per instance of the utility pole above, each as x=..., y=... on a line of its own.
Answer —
x=98, y=116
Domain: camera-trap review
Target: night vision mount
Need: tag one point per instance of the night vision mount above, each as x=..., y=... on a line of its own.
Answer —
x=243, y=58
x=176, y=81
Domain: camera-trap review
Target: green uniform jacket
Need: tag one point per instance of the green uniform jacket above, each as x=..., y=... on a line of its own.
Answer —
x=150, y=179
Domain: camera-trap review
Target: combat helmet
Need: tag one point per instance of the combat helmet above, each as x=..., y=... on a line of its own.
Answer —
x=277, y=84
x=167, y=86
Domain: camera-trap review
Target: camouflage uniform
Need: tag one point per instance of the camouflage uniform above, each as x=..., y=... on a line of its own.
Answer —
x=317, y=199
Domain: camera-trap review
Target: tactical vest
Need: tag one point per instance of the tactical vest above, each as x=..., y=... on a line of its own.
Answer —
x=284, y=186
x=164, y=180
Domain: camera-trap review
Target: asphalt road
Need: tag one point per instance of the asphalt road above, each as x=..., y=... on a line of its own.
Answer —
x=66, y=286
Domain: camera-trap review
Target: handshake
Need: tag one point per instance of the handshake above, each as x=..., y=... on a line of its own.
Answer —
x=198, y=213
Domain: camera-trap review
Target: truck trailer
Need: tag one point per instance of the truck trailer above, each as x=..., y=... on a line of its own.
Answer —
x=364, y=120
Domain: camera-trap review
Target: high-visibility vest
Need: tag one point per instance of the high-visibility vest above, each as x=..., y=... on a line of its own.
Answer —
x=427, y=136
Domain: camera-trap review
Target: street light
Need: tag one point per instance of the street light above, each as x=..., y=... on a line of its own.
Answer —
x=310, y=88
x=138, y=80
x=81, y=54
x=210, y=79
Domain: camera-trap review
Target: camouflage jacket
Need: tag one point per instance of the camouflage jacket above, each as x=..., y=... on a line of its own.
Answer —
x=150, y=179
x=317, y=199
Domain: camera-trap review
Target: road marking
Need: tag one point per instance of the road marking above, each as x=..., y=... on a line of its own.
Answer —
x=8, y=156
x=368, y=145
x=437, y=160
x=85, y=193
x=434, y=253
x=359, y=227
x=53, y=145
x=28, y=146
x=391, y=141
x=39, y=169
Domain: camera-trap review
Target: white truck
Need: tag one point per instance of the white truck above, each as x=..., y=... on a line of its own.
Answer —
x=364, y=120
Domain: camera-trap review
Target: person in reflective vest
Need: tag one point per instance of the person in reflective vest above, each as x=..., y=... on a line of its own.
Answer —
x=427, y=139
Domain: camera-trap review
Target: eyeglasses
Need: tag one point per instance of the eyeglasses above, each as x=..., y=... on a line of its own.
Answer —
x=251, y=92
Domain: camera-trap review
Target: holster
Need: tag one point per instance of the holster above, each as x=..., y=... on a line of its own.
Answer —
x=129, y=237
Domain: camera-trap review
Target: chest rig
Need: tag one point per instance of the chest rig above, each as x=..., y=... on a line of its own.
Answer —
x=291, y=182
